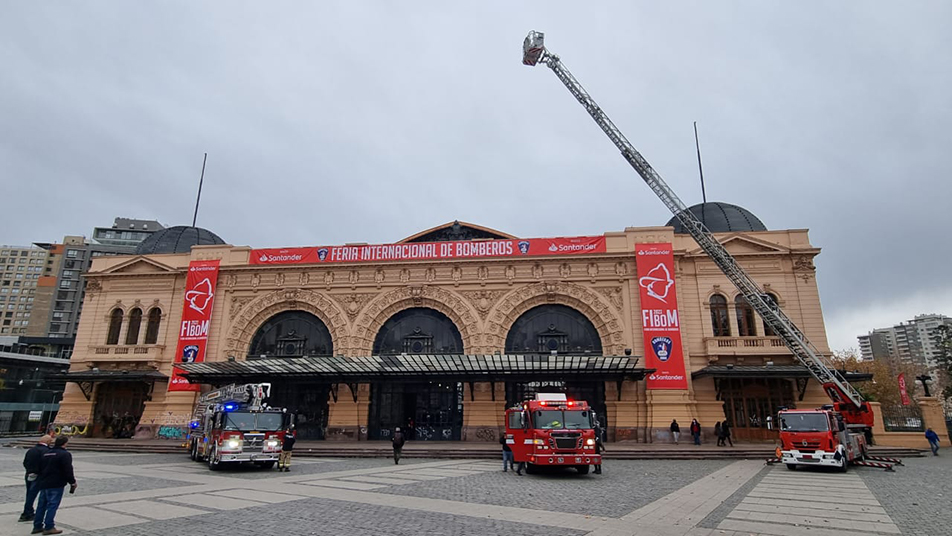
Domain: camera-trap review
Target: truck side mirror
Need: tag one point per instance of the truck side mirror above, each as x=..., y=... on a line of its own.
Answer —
x=770, y=423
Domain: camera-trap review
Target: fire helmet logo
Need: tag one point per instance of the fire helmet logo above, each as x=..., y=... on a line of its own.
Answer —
x=661, y=347
x=523, y=246
x=657, y=282
x=199, y=297
x=189, y=353
x=322, y=254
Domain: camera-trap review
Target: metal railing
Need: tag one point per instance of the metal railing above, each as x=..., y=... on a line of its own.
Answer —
x=902, y=419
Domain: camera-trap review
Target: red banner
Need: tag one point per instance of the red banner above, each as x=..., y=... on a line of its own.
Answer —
x=903, y=394
x=661, y=325
x=461, y=249
x=196, y=317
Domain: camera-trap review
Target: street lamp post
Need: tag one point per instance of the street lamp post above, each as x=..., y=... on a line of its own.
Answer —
x=925, y=378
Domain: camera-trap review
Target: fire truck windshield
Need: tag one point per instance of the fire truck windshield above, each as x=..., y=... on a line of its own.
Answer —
x=246, y=422
x=804, y=422
x=556, y=419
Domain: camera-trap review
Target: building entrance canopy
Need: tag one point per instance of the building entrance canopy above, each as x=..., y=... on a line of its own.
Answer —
x=407, y=367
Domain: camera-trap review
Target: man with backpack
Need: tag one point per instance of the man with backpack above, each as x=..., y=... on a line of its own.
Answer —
x=398, y=440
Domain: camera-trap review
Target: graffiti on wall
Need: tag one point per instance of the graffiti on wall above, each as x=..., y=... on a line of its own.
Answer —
x=171, y=432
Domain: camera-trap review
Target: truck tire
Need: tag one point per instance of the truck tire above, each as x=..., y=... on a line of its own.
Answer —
x=530, y=469
x=214, y=464
x=791, y=466
x=193, y=451
x=266, y=465
x=582, y=469
x=843, y=465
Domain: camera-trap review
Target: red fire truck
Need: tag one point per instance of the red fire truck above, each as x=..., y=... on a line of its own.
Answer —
x=819, y=437
x=232, y=424
x=552, y=431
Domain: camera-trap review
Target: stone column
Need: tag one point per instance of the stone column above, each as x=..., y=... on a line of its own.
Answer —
x=347, y=419
x=932, y=416
x=483, y=416
x=625, y=416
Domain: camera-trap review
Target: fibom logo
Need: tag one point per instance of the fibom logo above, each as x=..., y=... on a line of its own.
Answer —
x=657, y=282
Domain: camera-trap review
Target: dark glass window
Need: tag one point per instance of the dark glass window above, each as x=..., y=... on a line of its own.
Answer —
x=152, y=329
x=549, y=328
x=720, y=320
x=418, y=331
x=771, y=300
x=115, y=325
x=135, y=320
x=745, y=317
x=292, y=334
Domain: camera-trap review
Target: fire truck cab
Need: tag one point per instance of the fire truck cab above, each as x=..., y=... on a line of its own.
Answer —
x=233, y=424
x=819, y=437
x=552, y=431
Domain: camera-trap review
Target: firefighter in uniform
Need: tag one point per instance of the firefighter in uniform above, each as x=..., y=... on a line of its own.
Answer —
x=284, y=459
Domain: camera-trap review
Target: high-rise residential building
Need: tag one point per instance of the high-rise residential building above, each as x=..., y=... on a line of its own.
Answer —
x=21, y=268
x=126, y=232
x=908, y=342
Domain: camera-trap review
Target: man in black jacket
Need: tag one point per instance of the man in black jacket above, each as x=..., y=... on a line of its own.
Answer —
x=398, y=441
x=56, y=470
x=287, y=446
x=31, y=463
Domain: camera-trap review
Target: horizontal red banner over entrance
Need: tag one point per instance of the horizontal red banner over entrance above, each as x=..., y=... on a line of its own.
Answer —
x=462, y=249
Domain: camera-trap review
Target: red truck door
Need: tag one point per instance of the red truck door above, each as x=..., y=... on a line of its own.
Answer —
x=517, y=433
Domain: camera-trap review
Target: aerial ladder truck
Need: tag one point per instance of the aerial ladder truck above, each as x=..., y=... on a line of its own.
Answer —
x=849, y=413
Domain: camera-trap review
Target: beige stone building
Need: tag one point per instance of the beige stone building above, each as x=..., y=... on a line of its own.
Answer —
x=354, y=349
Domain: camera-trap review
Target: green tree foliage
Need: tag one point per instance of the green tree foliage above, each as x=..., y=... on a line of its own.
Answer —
x=884, y=387
x=943, y=341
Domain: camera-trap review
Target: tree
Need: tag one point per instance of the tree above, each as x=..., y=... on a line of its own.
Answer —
x=884, y=387
x=943, y=343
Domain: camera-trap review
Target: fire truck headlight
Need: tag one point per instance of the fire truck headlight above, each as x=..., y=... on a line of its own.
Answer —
x=589, y=441
x=271, y=443
x=233, y=444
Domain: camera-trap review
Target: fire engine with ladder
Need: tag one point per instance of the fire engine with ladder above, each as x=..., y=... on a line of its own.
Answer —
x=552, y=431
x=233, y=424
x=849, y=419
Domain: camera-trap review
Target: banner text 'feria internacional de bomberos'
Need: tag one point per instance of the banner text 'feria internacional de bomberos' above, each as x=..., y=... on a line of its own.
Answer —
x=660, y=317
x=196, y=316
x=416, y=251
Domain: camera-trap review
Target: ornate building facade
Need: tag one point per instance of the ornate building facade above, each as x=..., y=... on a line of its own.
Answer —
x=355, y=347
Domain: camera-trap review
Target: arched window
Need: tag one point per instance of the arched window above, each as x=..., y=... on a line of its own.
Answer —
x=135, y=320
x=418, y=330
x=745, y=317
x=152, y=329
x=292, y=334
x=553, y=327
x=115, y=325
x=720, y=320
x=771, y=300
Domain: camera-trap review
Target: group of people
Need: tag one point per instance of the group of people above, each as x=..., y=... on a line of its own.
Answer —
x=49, y=468
x=722, y=430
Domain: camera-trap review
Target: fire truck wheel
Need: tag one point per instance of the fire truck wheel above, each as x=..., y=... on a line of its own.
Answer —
x=192, y=453
x=266, y=465
x=843, y=464
x=792, y=466
x=214, y=463
x=582, y=469
x=530, y=469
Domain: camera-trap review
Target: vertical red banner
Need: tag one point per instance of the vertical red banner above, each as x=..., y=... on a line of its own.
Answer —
x=196, y=318
x=903, y=394
x=661, y=323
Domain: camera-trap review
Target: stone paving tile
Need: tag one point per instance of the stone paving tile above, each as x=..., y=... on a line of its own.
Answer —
x=918, y=495
x=152, y=509
x=88, y=518
x=624, y=486
x=89, y=487
x=720, y=513
x=323, y=516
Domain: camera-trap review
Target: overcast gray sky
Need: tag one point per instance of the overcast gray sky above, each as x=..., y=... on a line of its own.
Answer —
x=338, y=122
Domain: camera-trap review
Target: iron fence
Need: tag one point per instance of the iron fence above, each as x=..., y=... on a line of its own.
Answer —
x=902, y=419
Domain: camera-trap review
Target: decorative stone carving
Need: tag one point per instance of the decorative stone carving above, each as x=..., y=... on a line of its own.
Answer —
x=93, y=285
x=379, y=277
x=404, y=275
x=457, y=274
x=328, y=279
x=303, y=279
x=255, y=281
x=614, y=295
x=538, y=271
x=565, y=270
x=430, y=274
x=510, y=274
x=416, y=294
x=279, y=279
x=355, y=302
x=231, y=280
x=621, y=270
x=483, y=300
x=238, y=302
x=593, y=271
x=354, y=278
x=482, y=273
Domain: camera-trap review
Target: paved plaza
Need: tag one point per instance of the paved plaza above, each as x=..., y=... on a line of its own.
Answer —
x=163, y=494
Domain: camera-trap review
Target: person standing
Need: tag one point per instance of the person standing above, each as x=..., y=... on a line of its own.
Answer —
x=675, y=430
x=717, y=434
x=933, y=441
x=56, y=470
x=287, y=446
x=507, y=462
x=31, y=463
x=599, y=447
x=726, y=433
x=696, y=431
x=398, y=441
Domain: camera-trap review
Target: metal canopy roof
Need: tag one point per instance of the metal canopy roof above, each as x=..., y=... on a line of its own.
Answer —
x=772, y=371
x=420, y=367
x=111, y=376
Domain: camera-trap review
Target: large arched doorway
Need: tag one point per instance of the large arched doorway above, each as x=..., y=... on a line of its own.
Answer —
x=561, y=329
x=119, y=406
x=289, y=335
x=426, y=410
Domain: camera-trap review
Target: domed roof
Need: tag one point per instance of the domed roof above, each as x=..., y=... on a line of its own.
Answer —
x=178, y=239
x=721, y=218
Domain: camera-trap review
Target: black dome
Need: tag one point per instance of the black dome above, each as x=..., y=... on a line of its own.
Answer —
x=178, y=239
x=721, y=218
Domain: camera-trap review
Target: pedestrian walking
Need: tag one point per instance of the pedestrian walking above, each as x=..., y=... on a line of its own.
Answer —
x=507, y=462
x=933, y=441
x=717, y=434
x=726, y=434
x=31, y=463
x=599, y=448
x=696, y=431
x=398, y=440
x=287, y=446
x=675, y=430
x=56, y=470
